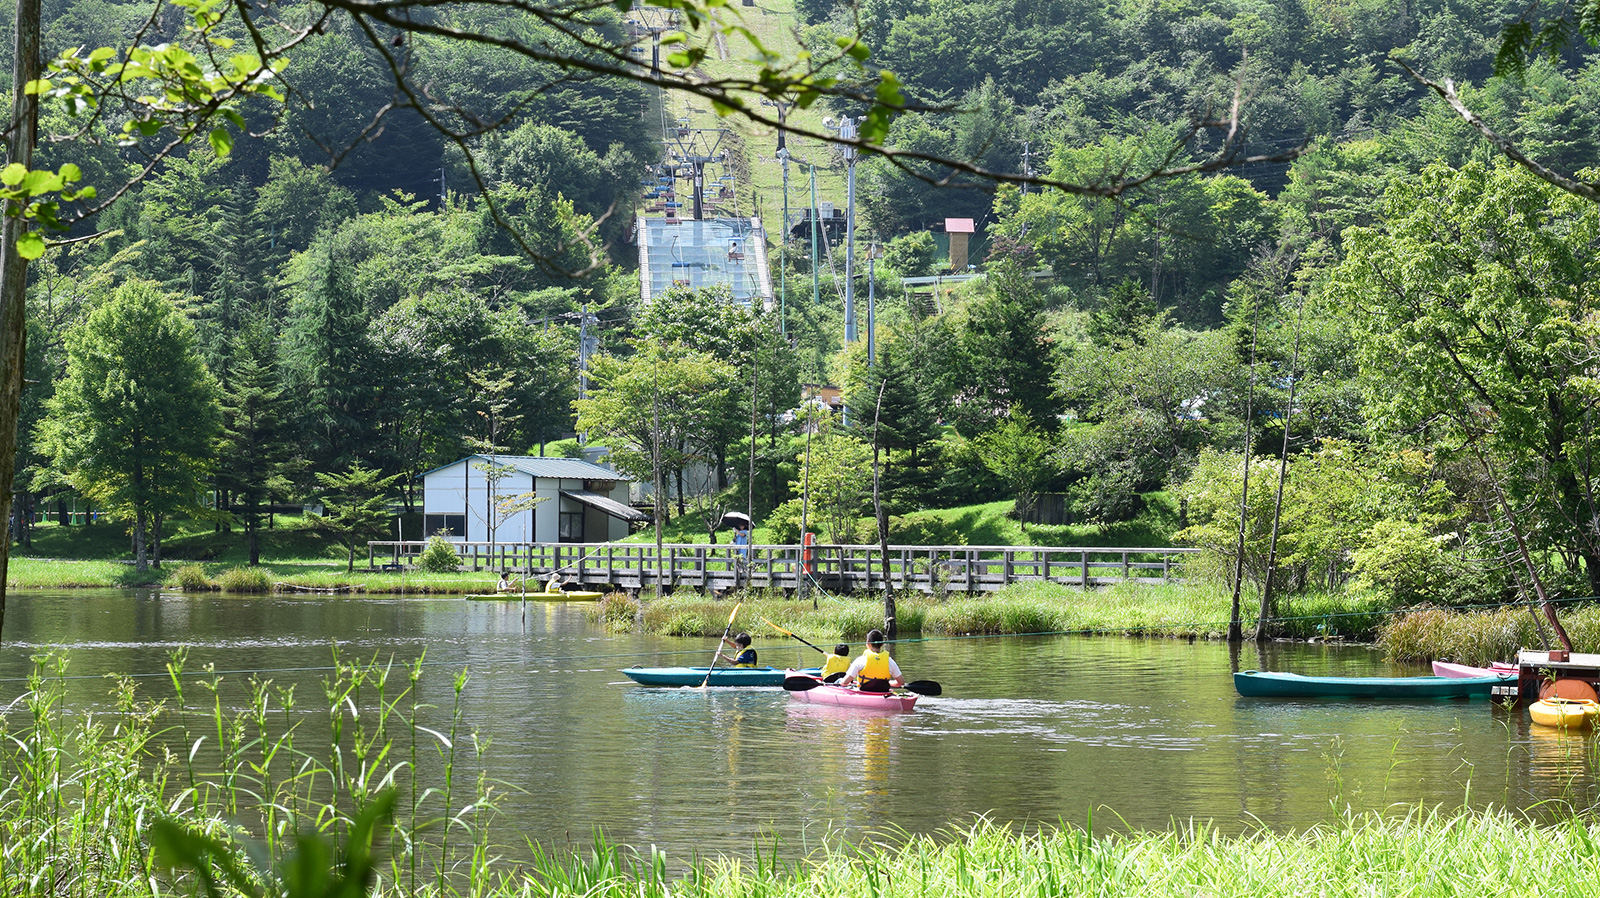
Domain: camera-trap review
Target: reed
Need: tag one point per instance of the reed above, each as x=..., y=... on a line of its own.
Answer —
x=1479, y=637
x=1171, y=610
x=245, y=579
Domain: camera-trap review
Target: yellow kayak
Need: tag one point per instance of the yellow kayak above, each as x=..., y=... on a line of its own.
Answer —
x=1564, y=713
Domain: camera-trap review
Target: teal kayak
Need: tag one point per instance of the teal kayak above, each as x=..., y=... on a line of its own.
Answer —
x=694, y=676
x=1286, y=685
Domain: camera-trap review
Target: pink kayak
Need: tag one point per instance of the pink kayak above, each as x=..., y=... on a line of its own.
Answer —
x=828, y=694
x=1462, y=671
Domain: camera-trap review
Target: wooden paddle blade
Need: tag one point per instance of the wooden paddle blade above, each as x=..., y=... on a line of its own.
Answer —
x=800, y=684
x=925, y=687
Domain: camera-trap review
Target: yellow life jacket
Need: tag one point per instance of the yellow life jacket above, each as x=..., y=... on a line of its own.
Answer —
x=834, y=664
x=877, y=666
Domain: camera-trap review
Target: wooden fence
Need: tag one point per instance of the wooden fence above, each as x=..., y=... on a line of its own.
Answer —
x=836, y=568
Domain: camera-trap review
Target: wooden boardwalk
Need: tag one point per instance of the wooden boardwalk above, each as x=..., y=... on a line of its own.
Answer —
x=836, y=568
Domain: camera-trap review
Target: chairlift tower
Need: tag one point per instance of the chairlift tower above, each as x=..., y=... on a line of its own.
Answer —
x=694, y=149
x=847, y=138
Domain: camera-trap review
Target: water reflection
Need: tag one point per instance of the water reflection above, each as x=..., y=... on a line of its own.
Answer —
x=1138, y=733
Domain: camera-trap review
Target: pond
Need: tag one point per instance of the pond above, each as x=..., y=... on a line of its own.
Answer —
x=1128, y=733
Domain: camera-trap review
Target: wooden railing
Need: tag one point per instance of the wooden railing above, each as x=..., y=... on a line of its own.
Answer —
x=837, y=568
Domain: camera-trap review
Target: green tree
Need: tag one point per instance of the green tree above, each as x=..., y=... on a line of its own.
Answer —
x=255, y=455
x=835, y=480
x=1021, y=455
x=133, y=423
x=651, y=411
x=1475, y=302
x=329, y=360
x=355, y=507
x=1006, y=351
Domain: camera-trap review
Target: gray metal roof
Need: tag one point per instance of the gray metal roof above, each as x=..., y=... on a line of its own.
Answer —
x=606, y=504
x=546, y=466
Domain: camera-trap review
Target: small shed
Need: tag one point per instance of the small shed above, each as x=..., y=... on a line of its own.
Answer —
x=485, y=498
x=960, y=230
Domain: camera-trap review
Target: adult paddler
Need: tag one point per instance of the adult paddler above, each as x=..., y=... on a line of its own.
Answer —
x=874, y=670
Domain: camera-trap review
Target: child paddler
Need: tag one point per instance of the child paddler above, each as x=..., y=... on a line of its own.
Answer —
x=836, y=663
x=743, y=655
x=874, y=671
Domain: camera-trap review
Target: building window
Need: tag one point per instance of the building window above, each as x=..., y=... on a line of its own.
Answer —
x=456, y=524
x=571, y=527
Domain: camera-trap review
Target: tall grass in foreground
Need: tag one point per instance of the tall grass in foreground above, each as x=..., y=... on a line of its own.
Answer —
x=1479, y=637
x=1424, y=855
x=82, y=792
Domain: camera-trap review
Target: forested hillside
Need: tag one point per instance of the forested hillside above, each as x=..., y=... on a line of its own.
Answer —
x=1393, y=322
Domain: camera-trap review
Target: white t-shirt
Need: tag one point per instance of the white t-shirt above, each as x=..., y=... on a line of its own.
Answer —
x=854, y=673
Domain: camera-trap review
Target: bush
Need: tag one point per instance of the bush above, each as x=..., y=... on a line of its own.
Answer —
x=784, y=522
x=246, y=579
x=192, y=578
x=439, y=557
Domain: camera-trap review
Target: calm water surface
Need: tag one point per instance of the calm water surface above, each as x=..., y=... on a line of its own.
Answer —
x=1135, y=733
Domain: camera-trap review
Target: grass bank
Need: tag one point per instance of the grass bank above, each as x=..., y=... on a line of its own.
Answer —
x=97, y=805
x=1198, y=611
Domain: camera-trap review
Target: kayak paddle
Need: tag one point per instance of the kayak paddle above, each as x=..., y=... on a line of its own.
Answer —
x=924, y=687
x=800, y=684
x=788, y=634
x=718, y=654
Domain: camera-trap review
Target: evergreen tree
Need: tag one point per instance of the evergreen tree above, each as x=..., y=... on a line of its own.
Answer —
x=330, y=358
x=254, y=453
x=355, y=507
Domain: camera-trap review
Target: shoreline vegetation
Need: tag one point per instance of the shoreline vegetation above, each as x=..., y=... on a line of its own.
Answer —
x=297, y=561
x=1170, y=610
x=140, y=818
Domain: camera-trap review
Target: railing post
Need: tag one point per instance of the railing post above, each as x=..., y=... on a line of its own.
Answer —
x=1083, y=572
x=1125, y=569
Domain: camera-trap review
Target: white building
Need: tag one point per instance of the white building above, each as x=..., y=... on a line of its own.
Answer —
x=526, y=498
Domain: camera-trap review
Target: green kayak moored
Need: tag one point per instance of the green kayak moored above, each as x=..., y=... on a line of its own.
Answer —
x=1258, y=683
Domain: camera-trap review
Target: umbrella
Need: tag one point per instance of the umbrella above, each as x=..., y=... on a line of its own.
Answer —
x=736, y=519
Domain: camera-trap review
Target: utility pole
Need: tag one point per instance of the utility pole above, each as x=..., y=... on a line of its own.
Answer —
x=1027, y=166
x=816, y=289
x=872, y=304
x=847, y=136
x=783, y=243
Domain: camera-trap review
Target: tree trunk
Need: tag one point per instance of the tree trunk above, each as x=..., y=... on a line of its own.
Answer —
x=1267, y=599
x=1235, y=629
x=13, y=267
x=141, y=561
x=890, y=627
x=156, y=521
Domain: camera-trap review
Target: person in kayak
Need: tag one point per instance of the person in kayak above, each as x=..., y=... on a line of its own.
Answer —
x=743, y=655
x=507, y=583
x=836, y=663
x=874, y=671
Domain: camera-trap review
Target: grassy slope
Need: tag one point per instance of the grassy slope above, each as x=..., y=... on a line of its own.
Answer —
x=775, y=24
x=987, y=524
